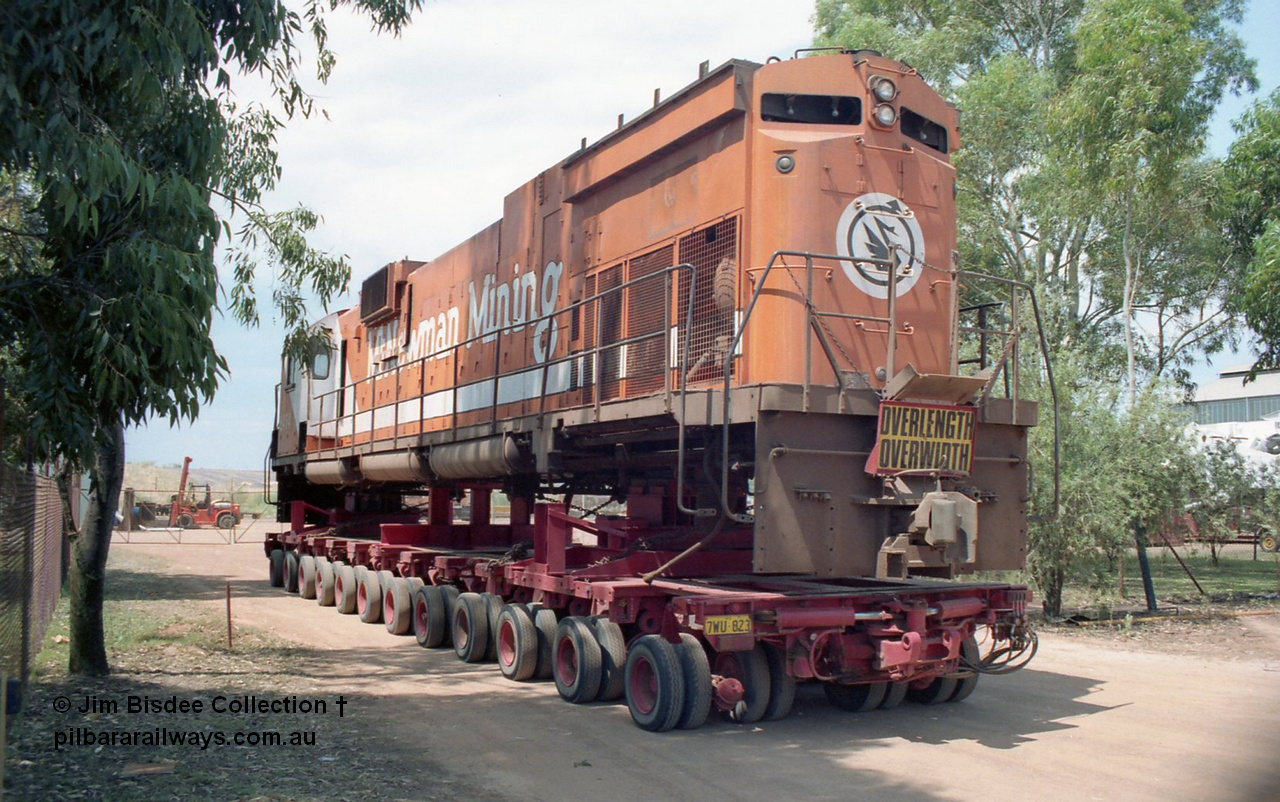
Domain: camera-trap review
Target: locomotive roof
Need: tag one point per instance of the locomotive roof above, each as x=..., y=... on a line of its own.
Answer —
x=625, y=129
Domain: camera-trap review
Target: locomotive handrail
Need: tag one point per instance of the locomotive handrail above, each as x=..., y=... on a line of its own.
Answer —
x=813, y=316
x=808, y=256
x=1048, y=371
x=453, y=353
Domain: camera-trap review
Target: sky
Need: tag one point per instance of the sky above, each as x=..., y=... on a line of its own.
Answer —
x=427, y=133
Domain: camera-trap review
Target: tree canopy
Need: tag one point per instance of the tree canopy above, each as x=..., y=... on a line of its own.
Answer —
x=125, y=160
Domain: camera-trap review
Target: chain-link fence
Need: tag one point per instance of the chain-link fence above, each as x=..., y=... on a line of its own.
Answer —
x=31, y=550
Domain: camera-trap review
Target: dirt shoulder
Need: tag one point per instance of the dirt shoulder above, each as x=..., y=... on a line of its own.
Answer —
x=183, y=716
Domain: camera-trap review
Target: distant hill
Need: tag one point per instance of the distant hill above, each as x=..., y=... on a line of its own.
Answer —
x=151, y=477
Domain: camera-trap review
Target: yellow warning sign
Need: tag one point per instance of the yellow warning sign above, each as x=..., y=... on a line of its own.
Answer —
x=923, y=438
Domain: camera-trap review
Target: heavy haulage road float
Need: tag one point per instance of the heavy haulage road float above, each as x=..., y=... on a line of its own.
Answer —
x=740, y=320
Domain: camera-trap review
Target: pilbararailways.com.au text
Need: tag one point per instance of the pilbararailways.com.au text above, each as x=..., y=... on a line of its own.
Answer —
x=163, y=736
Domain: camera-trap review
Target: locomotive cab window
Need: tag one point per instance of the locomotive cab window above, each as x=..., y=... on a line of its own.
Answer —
x=320, y=365
x=924, y=130
x=810, y=109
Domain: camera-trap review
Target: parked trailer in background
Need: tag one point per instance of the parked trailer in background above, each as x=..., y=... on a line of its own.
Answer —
x=742, y=318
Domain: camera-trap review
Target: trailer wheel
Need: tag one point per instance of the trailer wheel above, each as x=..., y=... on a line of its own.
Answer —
x=855, y=698
x=939, y=690
x=384, y=579
x=470, y=628
x=369, y=598
x=450, y=595
x=517, y=643
x=415, y=582
x=544, y=620
x=429, y=619
x=696, y=673
x=344, y=588
x=226, y=520
x=782, y=686
x=324, y=582
x=752, y=670
x=396, y=604
x=968, y=654
x=613, y=659
x=307, y=576
x=291, y=572
x=276, y=575
x=493, y=608
x=575, y=661
x=893, y=695
x=1267, y=541
x=655, y=684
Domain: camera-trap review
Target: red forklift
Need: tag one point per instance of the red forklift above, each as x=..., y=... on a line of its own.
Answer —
x=196, y=510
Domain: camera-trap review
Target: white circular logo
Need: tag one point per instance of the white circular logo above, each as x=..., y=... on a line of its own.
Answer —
x=879, y=227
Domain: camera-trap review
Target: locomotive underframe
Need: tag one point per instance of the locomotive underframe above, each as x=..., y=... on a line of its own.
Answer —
x=840, y=626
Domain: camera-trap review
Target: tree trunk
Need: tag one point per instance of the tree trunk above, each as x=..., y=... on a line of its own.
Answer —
x=1129, y=290
x=1054, y=579
x=89, y=556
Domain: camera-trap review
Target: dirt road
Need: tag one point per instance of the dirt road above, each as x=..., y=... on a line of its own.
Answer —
x=1091, y=719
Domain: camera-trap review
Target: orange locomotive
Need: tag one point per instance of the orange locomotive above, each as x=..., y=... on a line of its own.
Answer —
x=738, y=315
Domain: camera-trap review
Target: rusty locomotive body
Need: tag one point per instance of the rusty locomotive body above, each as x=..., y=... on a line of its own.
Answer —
x=741, y=319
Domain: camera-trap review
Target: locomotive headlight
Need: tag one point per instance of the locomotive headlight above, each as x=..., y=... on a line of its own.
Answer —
x=886, y=115
x=785, y=163
x=883, y=88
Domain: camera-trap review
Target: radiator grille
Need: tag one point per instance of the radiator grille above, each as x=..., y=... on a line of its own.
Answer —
x=713, y=252
x=647, y=315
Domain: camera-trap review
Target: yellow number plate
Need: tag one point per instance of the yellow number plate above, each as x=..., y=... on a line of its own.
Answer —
x=727, y=625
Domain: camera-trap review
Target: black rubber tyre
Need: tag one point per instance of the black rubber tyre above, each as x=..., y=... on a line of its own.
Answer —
x=185, y=521
x=397, y=607
x=369, y=600
x=361, y=572
x=544, y=620
x=324, y=582
x=493, y=608
x=782, y=686
x=275, y=574
x=752, y=670
x=291, y=572
x=893, y=695
x=226, y=520
x=415, y=582
x=613, y=659
x=344, y=589
x=576, y=661
x=965, y=686
x=517, y=643
x=430, y=624
x=855, y=698
x=449, y=594
x=384, y=579
x=936, y=692
x=654, y=683
x=470, y=628
x=307, y=576
x=695, y=670
x=1267, y=541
